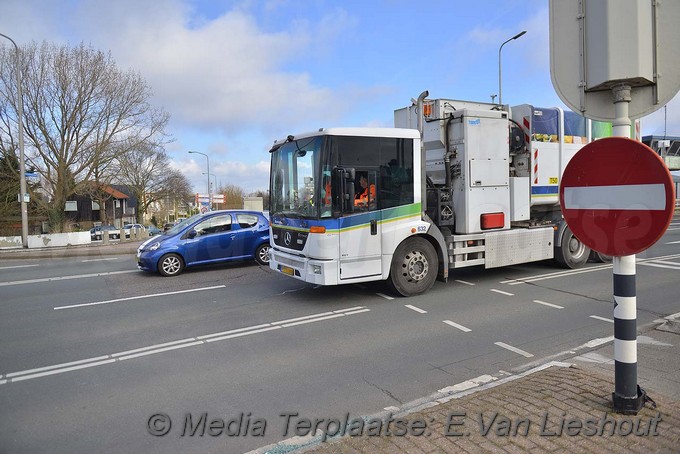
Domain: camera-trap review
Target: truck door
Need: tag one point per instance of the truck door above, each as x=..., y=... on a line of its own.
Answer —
x=360, y=231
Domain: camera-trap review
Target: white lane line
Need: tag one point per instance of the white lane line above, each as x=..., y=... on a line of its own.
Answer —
x=387, y=297
x=61, y=371
x=548, y=304
x=502, y=292
x=246, y=333
x=673, y=242
x=417, y=309
x=660, y=265
x=540, y=277
x=99, y=260
x=62, y=365
x=514, y=349
x=464, y=282
x=16, y=266
x=597, y=317
x=153, y=295
x=169, y=346
x=456, y=325
x=66, y=278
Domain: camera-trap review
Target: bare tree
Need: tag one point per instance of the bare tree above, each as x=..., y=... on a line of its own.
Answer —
x=81, y=113
x=233, y=196
x=146, y=171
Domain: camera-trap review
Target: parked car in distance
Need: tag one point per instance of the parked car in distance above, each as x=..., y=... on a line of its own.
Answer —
x=96, y=233
x=212, y=237
x=153, y=230
x=129, y=227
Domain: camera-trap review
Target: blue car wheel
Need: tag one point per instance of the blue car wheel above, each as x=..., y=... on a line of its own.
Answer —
x=170, y=265
x=262, y=254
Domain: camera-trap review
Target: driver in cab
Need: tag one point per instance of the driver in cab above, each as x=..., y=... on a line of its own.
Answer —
x=365, y=194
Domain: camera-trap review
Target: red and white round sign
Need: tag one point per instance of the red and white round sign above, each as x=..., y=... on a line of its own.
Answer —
x=617, y=196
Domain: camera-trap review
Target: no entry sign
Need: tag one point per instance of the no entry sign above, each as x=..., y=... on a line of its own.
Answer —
x=617, y=196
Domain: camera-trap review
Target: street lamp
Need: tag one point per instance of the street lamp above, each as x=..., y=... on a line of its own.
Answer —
x=22, y=163
x=214, y=186
x=208, y=161
x=500, y=95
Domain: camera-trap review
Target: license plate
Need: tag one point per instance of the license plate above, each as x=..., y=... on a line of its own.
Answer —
x=288, y=270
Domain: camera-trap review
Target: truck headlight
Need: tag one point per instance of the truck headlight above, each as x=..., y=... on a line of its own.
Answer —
x=316, y=269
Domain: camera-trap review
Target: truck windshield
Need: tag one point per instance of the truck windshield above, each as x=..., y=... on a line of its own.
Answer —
x=294, y=177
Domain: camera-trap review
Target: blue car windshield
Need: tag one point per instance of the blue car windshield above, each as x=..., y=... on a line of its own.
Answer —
x=182, y=225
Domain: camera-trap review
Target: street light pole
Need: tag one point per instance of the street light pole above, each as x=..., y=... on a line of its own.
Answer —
x=214, y=188
x=500, y=92
x=22, y=162
x=208, y=161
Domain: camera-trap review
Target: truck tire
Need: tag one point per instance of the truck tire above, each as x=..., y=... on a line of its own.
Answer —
x=572, y=253
x=600, y=257
x=414, y=267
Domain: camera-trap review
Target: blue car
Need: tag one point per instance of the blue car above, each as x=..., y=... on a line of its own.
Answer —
x=212, y=237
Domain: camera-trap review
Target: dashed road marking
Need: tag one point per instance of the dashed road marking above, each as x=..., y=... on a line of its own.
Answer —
x=417, y=309
x=464, y=282
x=556, y=306
x=387, y=297
x=456, y=325
x=597, y=317
x=514, y=349
x=502, y=292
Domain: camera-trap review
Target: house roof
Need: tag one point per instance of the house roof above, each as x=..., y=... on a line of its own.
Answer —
x=114, y=192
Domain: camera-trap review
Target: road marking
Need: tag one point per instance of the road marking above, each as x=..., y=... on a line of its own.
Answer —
x=456, y=325
x=540, y=277
x=387, y=297
x=16, y=266
x=417, y=309
x=597, y=317
x=464, y=282
x=153, y=295
x=514, y=349
x=99, y=260
x=173, y=345
x=663, y=264
x=502, y=292
x=548, y=304
x=66, y=278
x=673, y=242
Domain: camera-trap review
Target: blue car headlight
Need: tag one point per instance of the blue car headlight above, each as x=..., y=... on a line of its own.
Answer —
x=153, y=247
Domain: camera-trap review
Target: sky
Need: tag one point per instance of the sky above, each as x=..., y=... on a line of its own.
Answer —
x=237, y=75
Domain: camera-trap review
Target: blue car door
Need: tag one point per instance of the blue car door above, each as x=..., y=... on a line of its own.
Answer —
x=245, y=235
x=213, y=240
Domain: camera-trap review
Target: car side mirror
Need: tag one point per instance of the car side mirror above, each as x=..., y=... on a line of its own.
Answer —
x=192, y=234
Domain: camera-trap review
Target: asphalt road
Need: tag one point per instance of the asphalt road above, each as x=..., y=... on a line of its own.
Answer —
x=91, y=348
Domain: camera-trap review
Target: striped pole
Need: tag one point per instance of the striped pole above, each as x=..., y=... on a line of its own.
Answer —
x=627, y=396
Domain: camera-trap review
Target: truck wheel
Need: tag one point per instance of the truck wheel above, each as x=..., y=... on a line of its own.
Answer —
x=600, y=257
x=170, y=265
x=414, y=267
x=572, y=253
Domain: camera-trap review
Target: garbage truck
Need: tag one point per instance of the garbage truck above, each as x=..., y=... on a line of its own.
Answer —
x=454, y=184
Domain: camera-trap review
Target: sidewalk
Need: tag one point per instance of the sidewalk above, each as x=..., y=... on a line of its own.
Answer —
x=555, y=407
x=95, y=249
